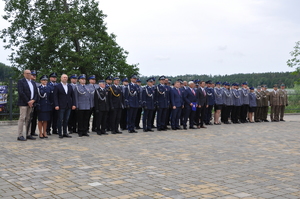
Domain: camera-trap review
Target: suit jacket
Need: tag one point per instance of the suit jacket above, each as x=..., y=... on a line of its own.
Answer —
x=115, y=96
x=62, y=99
x=24, y=94
x=202, y=99
x=189, y=97
x=176, y=98
x=274, y=98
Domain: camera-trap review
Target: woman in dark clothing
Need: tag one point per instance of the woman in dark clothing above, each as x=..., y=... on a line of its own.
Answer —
x=45, y=106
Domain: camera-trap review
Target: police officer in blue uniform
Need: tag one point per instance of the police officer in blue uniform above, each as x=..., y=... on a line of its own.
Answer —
x=218, y=102
x=123, y=122
x=132, y=103
x=169, y=106
x=102, y=106
x=116, y=105
x=72, y=124
x=93, y=86
x=148, y=105
x=139, y=112
x=210, y=102
x=236, y=108
x=54, y=113
x=155, y=107
x=227, y=99
x=162, y=104
x=83, y=95
x=245, y=102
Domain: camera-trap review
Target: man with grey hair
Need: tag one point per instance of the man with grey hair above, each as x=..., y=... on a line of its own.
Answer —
x=27, y=96
x=190, y=105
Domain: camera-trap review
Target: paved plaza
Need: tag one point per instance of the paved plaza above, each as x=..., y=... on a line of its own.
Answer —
x=260, y=160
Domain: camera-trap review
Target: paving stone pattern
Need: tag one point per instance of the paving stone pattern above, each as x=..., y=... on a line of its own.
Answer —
x=260, y=160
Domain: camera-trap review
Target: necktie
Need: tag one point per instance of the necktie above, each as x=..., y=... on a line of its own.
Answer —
x=193, y=92
x=204, y=93
x=178, y=91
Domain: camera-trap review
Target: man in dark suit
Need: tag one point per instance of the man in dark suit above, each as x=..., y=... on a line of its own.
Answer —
x=64, y=102
x=27, y=96
x=190, y=105
x=177, y=104
x=202, y=104
x=116, y=105
x=54, y=113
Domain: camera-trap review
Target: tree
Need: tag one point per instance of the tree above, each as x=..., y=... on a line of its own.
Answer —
x=5, y=72
x=295, y=61
x=63, y=36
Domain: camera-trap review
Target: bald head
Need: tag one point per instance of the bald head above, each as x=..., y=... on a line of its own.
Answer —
x=64, y=78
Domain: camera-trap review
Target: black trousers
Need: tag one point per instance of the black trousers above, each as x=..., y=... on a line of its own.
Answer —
x=83, y=121
x=153, y=117
x=72, y=124
x=226, y=112
x=168, y=117
x=94, y=126
x=201, y=115
x=101, y=121
x=34, y=121
x=138, y=117
x=123, y=122
x=189, y=114
x=235, y=113
x=244, y=110
x=161, y=118
x=208, y=111
x=147, y=119
x=115, y=119
x=131, y=116
x=53, y=121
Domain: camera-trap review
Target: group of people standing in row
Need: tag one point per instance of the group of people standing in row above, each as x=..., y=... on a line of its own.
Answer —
x=67, y=107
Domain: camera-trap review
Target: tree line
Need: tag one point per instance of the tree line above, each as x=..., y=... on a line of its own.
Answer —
x=253, y=79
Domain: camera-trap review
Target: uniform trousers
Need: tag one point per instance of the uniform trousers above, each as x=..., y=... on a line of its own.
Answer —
x=175, y=117
x=83, y=121
x=53, y=121
x=189, y=114
x=115, y=119
x=72, y=124
x=153, y=117
x=94, y=126
x=147, y=119
x=281, y=110
x=138, y=117
x=244, y=110
x=226, y=113
x=258, y=114
x=101, y=121
x=123, y=122
x=131, y=116
x=208, y=111
x=235, y=112
x=275, y=112
x=161, y=118
x=264, y=112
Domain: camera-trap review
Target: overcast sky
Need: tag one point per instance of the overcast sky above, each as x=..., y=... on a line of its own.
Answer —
x=176, y=37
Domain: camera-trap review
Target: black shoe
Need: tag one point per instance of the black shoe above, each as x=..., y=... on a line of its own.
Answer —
x=21, y=138
x=145, y=130
x=48, y=133
x=138, y=127
x=266, y=120
x=174, y=129
x=179, y=128
x=184, y=128
x=158, y=129
x=98, y=133
x=104, y=133
x=61, y=137
x=34, y=134
x=30, y=138
x=203, y=127
x=282, y=120
x=113, y=132
x=41, y=137
x=150, y=130
x=134, y=131
x=118, y=132
x=257, y=121
x=67, y=136
x=191, y=127
x=153, y=126
x=167, y=128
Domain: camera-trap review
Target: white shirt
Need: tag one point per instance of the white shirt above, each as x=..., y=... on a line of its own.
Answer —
x=31, y=88
x=65, y=86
